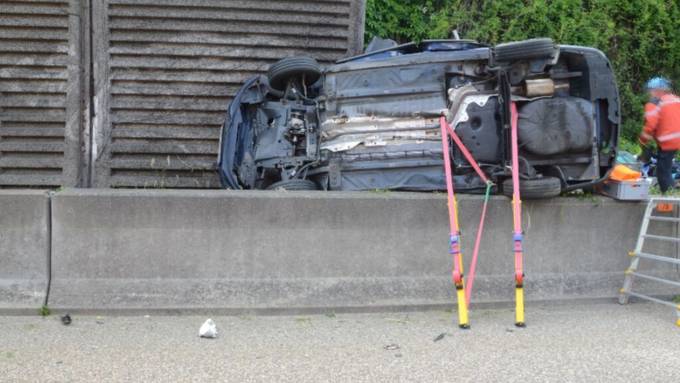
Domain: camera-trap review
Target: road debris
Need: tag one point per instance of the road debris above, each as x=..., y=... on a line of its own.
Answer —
x=439, y=337
x=66, y=320
x=208, y=329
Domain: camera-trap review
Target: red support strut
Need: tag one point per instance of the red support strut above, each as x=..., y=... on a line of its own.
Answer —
x=517, y=218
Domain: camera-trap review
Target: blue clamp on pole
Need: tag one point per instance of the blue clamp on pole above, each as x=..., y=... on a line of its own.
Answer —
x=517, y=237
x=453, y=241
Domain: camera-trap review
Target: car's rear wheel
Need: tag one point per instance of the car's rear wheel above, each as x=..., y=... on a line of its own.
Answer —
x=293, y=185
x=546, y=187
x=524, y=50
x=304, y=69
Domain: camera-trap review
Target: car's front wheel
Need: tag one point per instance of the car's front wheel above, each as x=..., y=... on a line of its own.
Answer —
x=538, y=188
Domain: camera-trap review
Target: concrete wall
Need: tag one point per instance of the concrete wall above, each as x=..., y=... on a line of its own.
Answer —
x=23, y=249
x=228, y=249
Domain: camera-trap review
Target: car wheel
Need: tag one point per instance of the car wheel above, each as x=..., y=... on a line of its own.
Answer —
x=546, y=187
x=293, y=185
x=523, y=50
x=290, y=68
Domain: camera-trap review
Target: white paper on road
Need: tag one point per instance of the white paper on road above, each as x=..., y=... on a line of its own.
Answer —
x=208, y=329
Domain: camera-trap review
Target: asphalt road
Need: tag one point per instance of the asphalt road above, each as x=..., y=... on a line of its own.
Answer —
x=574, y=343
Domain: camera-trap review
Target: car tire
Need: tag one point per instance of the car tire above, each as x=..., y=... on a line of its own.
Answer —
x=538, y=188
x=293, y=185
x=293, y=67
x=524, y=50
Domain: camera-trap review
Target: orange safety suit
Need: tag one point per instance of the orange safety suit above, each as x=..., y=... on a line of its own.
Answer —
x=662, y=122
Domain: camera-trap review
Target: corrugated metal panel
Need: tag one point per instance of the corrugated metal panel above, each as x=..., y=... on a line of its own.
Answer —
x=165, y=71
x=40, y=115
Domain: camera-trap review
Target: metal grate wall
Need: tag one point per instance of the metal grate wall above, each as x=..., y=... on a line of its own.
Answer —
x=40, y=93
x=165, y=71
x=132, y=93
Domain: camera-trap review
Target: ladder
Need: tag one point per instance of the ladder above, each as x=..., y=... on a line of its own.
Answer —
x=639, y=253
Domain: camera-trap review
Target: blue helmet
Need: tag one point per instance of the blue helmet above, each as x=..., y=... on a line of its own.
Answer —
x=660, y=83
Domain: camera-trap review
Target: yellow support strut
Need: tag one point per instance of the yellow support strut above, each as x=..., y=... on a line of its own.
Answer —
x=463, y=320
x=519, y=306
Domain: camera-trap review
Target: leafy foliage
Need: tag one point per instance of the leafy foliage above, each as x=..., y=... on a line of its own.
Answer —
x=641, y=37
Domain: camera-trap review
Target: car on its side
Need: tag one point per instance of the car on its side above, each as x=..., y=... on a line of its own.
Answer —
x=372, y=121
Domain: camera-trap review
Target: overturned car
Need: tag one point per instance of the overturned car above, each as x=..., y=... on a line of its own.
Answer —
x=372, y=121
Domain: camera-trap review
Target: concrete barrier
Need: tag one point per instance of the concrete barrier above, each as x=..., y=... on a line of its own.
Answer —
x=134, y=249
x=23, y=248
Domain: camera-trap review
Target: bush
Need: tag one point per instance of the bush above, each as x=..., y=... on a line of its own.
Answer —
x=641, y=37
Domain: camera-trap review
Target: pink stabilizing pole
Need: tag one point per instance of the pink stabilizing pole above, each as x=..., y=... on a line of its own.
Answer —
x=466, y=153
x=517, y=204
x=478, y=240
x=475, y=253
x=454, y=231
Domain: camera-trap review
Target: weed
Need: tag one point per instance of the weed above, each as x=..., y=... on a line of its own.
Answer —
x=44, y=311
x=654, y=190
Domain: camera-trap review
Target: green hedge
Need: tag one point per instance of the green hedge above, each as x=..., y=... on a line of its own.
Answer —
x=641, y=37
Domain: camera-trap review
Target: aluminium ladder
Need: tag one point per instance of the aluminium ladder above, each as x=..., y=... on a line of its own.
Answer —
x=639, y=254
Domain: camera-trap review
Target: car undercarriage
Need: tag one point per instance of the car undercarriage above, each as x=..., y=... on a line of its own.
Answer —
x=372, y=121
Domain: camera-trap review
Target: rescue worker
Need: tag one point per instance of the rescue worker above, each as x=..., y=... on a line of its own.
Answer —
x=662, y=123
